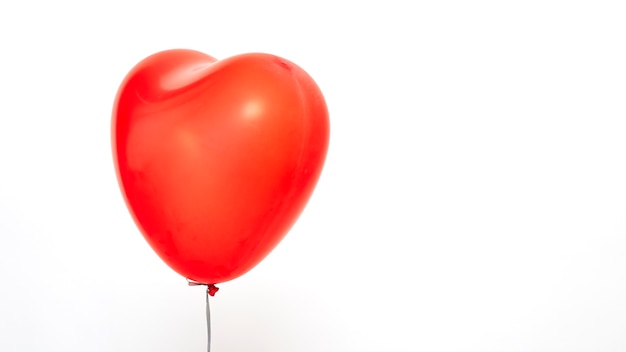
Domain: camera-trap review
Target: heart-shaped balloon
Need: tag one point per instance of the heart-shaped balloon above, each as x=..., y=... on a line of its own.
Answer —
x=216, y=159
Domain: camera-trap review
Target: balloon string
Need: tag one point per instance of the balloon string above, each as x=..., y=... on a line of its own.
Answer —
x=208, y=322
x=210, y=291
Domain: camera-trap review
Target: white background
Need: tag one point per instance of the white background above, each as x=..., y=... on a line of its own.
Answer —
x=473, y=199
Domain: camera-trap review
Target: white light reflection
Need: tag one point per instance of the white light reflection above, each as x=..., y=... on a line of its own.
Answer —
x=184, y=76
x=252, y=109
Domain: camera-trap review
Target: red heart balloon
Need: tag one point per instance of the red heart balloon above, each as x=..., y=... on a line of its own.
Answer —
x=216, y=159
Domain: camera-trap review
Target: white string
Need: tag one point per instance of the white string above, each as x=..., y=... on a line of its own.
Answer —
x=211, y=289
x=208, y=321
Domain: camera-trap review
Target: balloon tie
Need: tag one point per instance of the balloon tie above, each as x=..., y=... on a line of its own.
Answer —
x=211, y=290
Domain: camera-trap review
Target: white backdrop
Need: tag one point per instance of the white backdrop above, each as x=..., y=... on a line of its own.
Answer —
x=473, y=199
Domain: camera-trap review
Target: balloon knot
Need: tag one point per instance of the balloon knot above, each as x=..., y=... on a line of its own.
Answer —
x=212, y=289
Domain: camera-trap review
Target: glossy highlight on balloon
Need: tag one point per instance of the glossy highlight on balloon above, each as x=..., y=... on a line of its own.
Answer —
x=216, y=159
